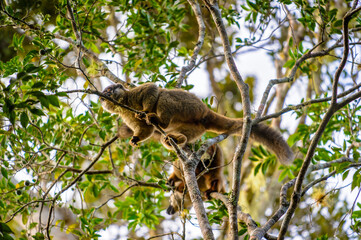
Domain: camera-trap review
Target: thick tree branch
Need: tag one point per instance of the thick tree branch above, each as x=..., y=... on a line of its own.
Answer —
x=210, y=142
x=261, y=232
x=189, y=175
x=346, y=49
x=246, y=130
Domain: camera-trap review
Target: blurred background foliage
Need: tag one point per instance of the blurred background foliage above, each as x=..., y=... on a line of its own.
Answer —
x=49, y=135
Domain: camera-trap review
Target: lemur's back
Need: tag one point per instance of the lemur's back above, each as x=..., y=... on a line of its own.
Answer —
x=184, y=106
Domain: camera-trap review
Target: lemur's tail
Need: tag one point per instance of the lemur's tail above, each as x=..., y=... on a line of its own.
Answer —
x=273, y=140
x=262, y=133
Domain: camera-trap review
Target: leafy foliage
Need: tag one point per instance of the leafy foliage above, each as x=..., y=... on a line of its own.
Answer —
x=50, y=134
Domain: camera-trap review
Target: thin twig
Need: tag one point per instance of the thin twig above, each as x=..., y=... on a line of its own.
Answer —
x=114, y=197
x=304, y=104
x=165, y=234
x=201, y=34
x=24, y=206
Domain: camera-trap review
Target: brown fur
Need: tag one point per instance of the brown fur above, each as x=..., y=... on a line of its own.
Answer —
x=211, y=181
x=183, y=117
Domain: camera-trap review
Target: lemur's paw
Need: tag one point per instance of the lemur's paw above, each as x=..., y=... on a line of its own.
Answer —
x=208, y=194
x=141, y=116
x=134, y=141
x=168, y=139
x=152, y=119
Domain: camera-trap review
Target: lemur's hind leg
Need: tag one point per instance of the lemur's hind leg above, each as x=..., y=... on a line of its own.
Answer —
x=141, y=132
x=187, y=133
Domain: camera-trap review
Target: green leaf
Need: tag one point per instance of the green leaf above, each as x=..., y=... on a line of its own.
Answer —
x=290, y=42
x=337, y=23
x=53, y=100
x=38, y=85
x=102, y=134
x=36, y=111
x=345, y=174
x=265, y=167
x=24, y=217
x=24, y=119
x=156, y=173
x=189, y=87
x=256, y=169
x=27, y=78
x=173, y=44
x=11, y=185
x=20, y=75
x=6, y=163
x=242, y=231
x=37, y=94
x=12, y=117
x=148, y=160
x=4, y=172
x=44, y=101
x=112, y=187
x=264, y=151
x=38, y=236
x=252, y=5
x=5, y=236
x=95, y=190
x=93, y=47
x=5, y=228
x=356, y=214
x=62, y=94
x=256, y=152
x=282, y=175
x=9, y=10
x=31, y=68
x=253, y=159
x=289, y=63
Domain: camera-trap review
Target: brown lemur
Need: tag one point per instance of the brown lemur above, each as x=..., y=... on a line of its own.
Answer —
x=184, y=118
x=211, y=180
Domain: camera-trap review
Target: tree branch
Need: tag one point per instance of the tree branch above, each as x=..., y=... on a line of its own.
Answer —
x=308, y=103
x=104, y=68
x=246, y=130
x=201, y=34
x=189, y=168
x=332, y=109
x=95, y=159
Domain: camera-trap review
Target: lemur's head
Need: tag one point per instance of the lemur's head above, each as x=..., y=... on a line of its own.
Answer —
x=117, y=92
